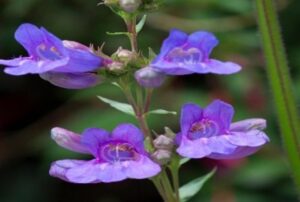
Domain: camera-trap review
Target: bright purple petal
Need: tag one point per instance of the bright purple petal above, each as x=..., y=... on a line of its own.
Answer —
x=190, y=113
x=141, y=169
x=93, y=137
x=72, y=80
x=198, y=148
x=108, y=172
x=30, y=37
x=15, y=62
x=249, y=124
x=252, y=138
x=34, y=67
x=171, y=68
x=68, y=140
x=219, y=67
x=61, y=168
x=86, y=172
x=80, y=61
x=129, y=133
x=205, y=41
x=176, y=38
x=220, y=112
x=239, y=152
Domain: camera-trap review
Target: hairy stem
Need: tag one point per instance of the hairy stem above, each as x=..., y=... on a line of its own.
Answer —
x=281, y=84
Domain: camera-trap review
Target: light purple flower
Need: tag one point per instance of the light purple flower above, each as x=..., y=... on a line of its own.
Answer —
x=209, y=133
x=117, y=155
x=50, y=55
x=183, y=54
x=149, y=77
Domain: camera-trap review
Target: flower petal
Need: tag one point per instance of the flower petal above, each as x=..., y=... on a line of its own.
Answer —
x=239, y=152
x=35, y=67
x=190, y=113
x=252, y=138
x=219, y=67
x=114, y=172
x=205, y=41
x=15, y=62
x=68, y=140
x=81, y=61
x=141, y=169
x=129, y=133
x=61, y=168
x=72, y=80
x=176, y=38
x=220, y=112
x=249, y=124
x=86, y=172
x=198, y=148
x=29, y=36
x=93, y=137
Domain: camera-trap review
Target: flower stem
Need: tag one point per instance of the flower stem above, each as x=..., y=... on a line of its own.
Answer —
x=131, y=28
x=281, y=84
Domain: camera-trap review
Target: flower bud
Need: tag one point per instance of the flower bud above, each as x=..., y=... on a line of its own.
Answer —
x=130, y=6
x=115, y=66
x=124, y=55
x=163, y=142
x=162, y=156
x=149, y=77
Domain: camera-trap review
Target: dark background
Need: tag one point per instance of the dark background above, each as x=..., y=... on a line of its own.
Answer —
x=30, y=106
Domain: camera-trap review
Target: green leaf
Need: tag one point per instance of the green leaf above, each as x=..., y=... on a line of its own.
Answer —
x=141, y=24
x=188, y=190
x=123, y=107
x=152, y=54
x=162, y=111
x=117, y=33
x=183, y=161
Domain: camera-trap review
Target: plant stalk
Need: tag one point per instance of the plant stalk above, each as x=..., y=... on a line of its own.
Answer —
x=280, y=83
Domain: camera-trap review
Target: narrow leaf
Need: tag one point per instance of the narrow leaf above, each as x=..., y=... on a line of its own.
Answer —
x=161, y=111
x=188, y=190
x=141, y=24
x=123, y=107
x=117, y=33
x=183, y=161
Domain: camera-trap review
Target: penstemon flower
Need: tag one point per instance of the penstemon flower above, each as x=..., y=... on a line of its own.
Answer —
x=183, y=54
x=149, y=77
x=209, y=133
x=64, y=63
x=117, y=155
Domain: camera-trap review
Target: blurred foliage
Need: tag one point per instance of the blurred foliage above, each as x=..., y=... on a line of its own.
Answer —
x=30, y=107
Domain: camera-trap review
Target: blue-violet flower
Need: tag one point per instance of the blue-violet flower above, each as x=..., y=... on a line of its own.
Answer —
x=183, y=54
x=209, y=133
x=66, y=64
x=117, y=155
x=149, y=77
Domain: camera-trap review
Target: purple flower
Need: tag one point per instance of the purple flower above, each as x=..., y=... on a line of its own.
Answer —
x=149, y=77
x=209, y=133
x=48, y=55
x=117, y=155
x=183, y=54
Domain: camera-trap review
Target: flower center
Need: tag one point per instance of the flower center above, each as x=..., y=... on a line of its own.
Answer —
x=203, y=128
x=113, y=152
x=48, y=53
x=184, y=56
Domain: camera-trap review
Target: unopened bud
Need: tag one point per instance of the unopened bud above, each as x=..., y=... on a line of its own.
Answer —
x=149, y=77
x=115, y=66
x=162, y=156
x=130, y=6
x=163, y=142
x=124, y=55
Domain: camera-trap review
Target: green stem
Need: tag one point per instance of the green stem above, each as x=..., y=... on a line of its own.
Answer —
x=131, y=28
x=281, y=84
x=167, y=186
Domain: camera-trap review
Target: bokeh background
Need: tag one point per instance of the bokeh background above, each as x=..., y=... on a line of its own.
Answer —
x=30, y=107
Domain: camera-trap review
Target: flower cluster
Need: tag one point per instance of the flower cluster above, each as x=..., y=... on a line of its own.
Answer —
x=121, y=154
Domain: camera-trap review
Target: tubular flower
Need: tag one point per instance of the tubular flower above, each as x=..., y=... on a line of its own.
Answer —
x=209, y=133
x=117, y=155
x=183, y=54
x=60, y=62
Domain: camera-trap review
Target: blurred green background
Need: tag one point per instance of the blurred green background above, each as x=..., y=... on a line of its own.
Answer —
x=30, y=107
